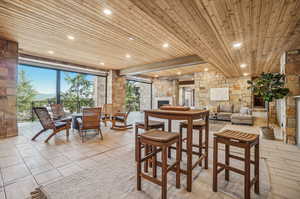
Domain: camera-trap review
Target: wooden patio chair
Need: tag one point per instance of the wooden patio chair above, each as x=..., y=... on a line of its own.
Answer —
x=48, y=123
x=121, y=117
x=90, y=120
x=107, y=113
x=59, y=113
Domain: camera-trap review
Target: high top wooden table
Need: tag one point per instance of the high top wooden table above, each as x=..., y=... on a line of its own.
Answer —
x=181, y=115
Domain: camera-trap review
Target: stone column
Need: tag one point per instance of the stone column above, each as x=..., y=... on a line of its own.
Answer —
x=292, y=70
x=116, y=90
x=8, y=77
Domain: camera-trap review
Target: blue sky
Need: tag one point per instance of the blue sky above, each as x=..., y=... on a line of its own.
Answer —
x=44, y=80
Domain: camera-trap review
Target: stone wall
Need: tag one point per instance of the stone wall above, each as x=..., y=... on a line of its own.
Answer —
x=145, y=95
x=164, y=88
x=99, y=92
x=239, y=95
x=118, y=90
x=8, y=76
x=293, y=83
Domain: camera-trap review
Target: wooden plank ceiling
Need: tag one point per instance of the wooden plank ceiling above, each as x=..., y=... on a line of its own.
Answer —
x=207, y=28
x=181, y=71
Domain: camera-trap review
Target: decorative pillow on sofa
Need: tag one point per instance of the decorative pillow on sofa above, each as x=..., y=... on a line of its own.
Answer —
x=245, y=110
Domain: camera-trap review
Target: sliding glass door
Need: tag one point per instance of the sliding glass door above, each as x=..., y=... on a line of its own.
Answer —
x=35, y=87
x=77, y=91
x=38, y=86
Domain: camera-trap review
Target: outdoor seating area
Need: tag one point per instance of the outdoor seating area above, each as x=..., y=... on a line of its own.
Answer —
x=142, y=99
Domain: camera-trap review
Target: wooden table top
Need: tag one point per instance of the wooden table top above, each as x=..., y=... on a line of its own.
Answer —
x=182, y=113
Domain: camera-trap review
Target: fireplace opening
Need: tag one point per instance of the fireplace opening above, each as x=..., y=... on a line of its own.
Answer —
x=162, y=102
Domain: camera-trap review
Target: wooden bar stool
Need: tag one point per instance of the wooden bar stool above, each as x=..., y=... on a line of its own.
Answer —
x=160, y=141
x=151, y=125
x=241, y=140
x=198, y=125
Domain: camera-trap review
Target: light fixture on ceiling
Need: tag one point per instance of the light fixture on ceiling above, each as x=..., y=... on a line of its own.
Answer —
x=51, y=52
x=128, y=56
x=102, y=63
x=71, y=37
x=205, y=69
x=165, y=45
x=246, y=74
x=107, y=11
x=178, y=73
x=243, y=65
x=237, y=45
x=156, y=76
x=130, y=38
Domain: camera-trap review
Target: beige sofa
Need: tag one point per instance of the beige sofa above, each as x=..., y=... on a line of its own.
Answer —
x=243, y=117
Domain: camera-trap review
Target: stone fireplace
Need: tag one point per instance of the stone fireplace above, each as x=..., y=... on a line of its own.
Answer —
x=162, y=101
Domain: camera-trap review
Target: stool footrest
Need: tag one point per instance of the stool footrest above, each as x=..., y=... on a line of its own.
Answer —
x=230, y=168
x=253, y=181
x=239, y=158
x=150, y=155
x=172, y=167
x=154, y=180
x=158, y=163
x=198, y=161
x=184, y=150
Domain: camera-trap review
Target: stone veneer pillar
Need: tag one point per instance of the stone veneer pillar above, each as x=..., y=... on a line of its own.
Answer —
x=8, y=76
x=116, y=90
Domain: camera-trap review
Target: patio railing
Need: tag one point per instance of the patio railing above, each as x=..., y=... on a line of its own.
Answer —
x=70, y=106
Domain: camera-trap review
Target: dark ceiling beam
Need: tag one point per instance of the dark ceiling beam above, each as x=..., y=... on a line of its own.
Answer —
x=164, y=65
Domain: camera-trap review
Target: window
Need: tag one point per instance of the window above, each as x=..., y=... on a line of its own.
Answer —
x=42, y=86
x=35, y=87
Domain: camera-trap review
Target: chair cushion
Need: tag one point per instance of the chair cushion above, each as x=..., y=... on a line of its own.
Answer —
x=159, y=136
x=195, y=123
x=119, y=118
x=60, y=124
x=245, y=110
x=150, y=123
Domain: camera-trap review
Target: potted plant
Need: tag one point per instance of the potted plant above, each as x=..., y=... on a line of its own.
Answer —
x=269, y=86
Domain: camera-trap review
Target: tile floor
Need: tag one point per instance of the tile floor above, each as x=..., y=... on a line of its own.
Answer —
x=25, y=164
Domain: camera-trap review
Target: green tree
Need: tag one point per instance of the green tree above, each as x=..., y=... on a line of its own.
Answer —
x=79, y=93
x=269, y=86
x=132, y=96
x=25, y=95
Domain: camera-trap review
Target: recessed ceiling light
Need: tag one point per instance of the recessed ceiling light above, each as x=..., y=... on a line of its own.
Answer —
x=178, y=73
x=51, y=52
x=107, y=11
x=165, y=45
x=71, y=37
x=205, y=69
x=130, y=38
x=246, y=74
x=102, y=63
x=243, y=65
x=237, y=45
x=128, y=56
